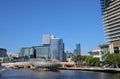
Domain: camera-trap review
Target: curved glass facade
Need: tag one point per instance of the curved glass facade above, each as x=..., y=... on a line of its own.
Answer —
x=57, y=49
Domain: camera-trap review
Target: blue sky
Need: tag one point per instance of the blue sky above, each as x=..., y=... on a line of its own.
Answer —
x=23, y=22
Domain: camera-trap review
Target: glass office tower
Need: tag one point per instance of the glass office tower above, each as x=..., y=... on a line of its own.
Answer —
x=46, y=39
x=42, y=52
x=3, y=52
x=27, y=52
x=111, y=15
x=57, y=49
x=35, y=52
x=78, y=49
x=52, y=48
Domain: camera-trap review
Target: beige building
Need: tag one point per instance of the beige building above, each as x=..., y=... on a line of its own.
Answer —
x=115, y=47
x=96, y=54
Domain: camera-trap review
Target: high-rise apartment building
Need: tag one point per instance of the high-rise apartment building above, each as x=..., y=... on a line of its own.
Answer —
x=111, y=15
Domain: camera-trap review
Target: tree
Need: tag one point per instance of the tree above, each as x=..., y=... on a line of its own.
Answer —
x=79, y=59
x=113, y=59
x=92, y=61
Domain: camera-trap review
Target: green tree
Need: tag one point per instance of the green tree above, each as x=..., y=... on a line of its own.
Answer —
x=79, y=59
x=113, y=59
x=92, y=61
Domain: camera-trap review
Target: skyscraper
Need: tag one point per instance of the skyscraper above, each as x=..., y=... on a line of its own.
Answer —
x=111, y=15
x=56, y=46
x=46, y=39
x=57, y=49
x=52, y=48
x=77, y=51
x=3, y=52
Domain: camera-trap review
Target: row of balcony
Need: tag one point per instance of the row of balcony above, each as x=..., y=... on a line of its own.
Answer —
x=111, y=13
x=115, y=36
x=113, y=16
x=110, y=2
x=112, y=9
x=113, y=4
x=113, y=33
x=112, y=40
x=113, y=29
x=111, y=20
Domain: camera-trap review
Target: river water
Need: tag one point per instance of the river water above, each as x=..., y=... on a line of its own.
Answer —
x=61, y=74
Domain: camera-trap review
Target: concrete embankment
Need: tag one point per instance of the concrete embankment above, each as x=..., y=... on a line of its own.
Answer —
x=98, y=69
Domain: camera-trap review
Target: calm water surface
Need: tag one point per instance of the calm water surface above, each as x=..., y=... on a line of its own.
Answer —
x=62, y=74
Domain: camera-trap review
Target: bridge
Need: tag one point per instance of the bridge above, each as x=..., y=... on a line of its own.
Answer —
x=16, y=64
x=31, y=64
x=38, y=63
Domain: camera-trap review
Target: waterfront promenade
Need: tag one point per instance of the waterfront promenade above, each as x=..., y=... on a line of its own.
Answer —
x=82, y=68
x=98, y=69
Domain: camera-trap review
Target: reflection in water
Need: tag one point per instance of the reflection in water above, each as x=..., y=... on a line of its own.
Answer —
x=62, y=74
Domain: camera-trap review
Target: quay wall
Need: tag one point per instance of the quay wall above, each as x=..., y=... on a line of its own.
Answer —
x=97, y=69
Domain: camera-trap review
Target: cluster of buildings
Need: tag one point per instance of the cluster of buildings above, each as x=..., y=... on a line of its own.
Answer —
x=52, y=49
x=111, y=16
x=7, y=57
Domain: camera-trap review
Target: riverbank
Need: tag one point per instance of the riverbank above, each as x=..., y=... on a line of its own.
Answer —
x=60, y=74
x=97, y=69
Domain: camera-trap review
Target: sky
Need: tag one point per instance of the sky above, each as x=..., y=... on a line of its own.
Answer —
x=23, y=22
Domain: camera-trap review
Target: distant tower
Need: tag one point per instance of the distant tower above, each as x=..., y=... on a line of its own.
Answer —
x=77, y=51
x=57, y=49
x=46, y=39
x=56, y=46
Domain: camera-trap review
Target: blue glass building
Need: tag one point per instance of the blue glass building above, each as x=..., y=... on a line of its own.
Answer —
x=35, y=52
x=52, y=48
x=42, y=52
x=3, y=52
x=77, y=51
x=26, y=52
x=57, y=49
